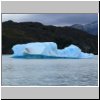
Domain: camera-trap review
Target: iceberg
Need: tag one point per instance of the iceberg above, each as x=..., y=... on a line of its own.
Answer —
x=48, y=50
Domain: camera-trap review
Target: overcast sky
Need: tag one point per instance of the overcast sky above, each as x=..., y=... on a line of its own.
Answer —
x=52, y=19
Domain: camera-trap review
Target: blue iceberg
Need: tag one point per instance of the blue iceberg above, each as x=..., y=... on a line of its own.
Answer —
x=48, y=50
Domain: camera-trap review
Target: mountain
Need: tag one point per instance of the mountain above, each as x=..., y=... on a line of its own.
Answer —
x=91, y=28
x=25, y=32
x=78, y=26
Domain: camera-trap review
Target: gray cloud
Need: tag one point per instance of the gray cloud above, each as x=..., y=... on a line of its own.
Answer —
x=52, y=19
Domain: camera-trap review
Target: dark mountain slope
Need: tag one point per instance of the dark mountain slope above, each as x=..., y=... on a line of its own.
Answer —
x=24, y=32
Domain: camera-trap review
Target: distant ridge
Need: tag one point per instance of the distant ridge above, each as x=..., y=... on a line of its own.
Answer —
x=91, y=28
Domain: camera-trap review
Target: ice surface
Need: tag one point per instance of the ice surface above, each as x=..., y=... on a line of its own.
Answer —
x=48, y=49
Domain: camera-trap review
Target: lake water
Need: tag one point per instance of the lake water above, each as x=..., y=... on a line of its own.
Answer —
x=49, y=72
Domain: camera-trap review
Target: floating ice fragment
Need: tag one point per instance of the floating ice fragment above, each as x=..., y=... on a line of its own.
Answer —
x=48, y=49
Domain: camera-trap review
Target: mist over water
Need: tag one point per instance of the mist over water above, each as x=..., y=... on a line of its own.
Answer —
x=49, y=72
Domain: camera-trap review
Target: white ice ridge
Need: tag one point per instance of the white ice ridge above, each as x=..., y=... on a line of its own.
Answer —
x=49, y=49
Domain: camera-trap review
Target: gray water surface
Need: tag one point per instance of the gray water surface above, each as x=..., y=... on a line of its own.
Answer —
x=49, y=72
